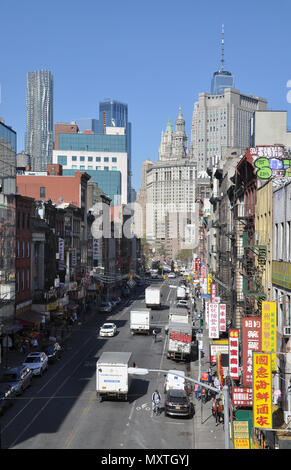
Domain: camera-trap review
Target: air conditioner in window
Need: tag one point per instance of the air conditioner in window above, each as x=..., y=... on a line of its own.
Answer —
x=287, y=330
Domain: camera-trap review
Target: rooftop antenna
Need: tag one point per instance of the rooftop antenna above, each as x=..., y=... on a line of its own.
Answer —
x=222, y=48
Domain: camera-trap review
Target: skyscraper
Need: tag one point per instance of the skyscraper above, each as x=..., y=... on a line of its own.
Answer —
x=221, y=79
x=39, y=118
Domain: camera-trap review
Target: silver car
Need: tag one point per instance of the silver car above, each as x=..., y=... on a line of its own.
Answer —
x=37, y=362
x=18, y=377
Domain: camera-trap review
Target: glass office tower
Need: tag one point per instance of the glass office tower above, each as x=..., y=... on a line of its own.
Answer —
x=39, y=119
x=221, y=80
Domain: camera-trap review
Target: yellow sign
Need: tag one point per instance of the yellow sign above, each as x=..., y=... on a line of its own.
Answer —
x=241, y=434
x=262, y=390
x=269, y=330
x=209, y=282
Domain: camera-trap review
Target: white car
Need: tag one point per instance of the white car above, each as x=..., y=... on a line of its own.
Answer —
x=108, y=329
x=37, y=362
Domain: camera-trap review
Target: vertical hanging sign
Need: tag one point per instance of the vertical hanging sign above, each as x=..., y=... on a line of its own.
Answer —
x=262, y=390
x=269, y=330
x=213, y=320
x=222, y=317
x=233, y=354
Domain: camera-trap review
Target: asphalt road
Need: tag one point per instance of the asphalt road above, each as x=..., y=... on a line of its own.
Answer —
x=60, y=410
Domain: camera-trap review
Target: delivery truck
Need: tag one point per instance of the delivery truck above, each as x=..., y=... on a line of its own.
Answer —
x=181, y=293
x=112, y=378
x=140, y=321
x=179, y=341
x=153, y=297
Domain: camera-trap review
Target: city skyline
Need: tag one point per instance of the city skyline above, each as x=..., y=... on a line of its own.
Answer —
x=158, y=74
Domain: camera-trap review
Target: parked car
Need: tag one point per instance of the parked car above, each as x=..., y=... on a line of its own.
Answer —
x=17, y=377
x=172, y=275
x=182, y=303
x=178, y=403
x=105, y=307
x=7, y=397
x=53, y=352
x=108, y=329
x=37, y=362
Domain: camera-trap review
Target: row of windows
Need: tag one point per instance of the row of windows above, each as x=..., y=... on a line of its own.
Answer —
x=21, y=252
x=62, y=159
x=22, y=280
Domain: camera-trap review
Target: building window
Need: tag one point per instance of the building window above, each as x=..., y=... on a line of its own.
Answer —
x=62, y=160
x=42, y=191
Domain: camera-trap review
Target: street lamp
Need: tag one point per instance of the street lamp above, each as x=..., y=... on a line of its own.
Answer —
x=224, y=392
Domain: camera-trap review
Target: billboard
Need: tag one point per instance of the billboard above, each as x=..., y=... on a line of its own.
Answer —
x=270, y=161
x=251, y=341
x=262, y=390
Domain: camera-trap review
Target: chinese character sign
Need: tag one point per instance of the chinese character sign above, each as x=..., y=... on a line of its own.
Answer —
x=213, y=320
x=233, y=354
x=262, y=386
x=213, y=291
x=269, y=329
x=209, y=281
x=222, y=317
x=252, y=341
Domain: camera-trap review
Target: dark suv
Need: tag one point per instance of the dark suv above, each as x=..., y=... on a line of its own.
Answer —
x=178, y=404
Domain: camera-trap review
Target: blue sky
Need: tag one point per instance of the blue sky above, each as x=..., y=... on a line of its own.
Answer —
x=152, y=55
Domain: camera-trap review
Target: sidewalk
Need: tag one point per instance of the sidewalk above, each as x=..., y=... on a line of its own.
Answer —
x=206, y=434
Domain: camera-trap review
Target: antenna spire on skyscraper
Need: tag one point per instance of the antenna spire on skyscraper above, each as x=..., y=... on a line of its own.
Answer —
x=222, y=48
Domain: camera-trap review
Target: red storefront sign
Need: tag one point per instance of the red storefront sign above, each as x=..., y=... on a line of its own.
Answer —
x=233, y=354
x=242, y=396
x=252, y=341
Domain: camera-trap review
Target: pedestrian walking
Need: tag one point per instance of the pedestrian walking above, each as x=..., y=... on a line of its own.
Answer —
x=197, y=391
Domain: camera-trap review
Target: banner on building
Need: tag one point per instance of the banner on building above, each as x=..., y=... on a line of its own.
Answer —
x=61, y=250
x=213, y=323
x=213, y=291
x=222, y=317
x=234, y=354
x=242, y=396
x=269, y=330
x=252, y=341
x=262, y=390
x=241, y=434
x=96, y=249
x=209, y=282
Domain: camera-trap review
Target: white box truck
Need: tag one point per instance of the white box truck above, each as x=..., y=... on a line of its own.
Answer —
x=112, y=378
x=153, y=297
x=140, y=321
x=181, y=293
x=179, y=341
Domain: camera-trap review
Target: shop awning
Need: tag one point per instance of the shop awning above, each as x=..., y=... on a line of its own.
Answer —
x=29, y=318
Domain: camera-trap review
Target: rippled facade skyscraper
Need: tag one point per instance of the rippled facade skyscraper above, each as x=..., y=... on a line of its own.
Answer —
x=39, y=119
